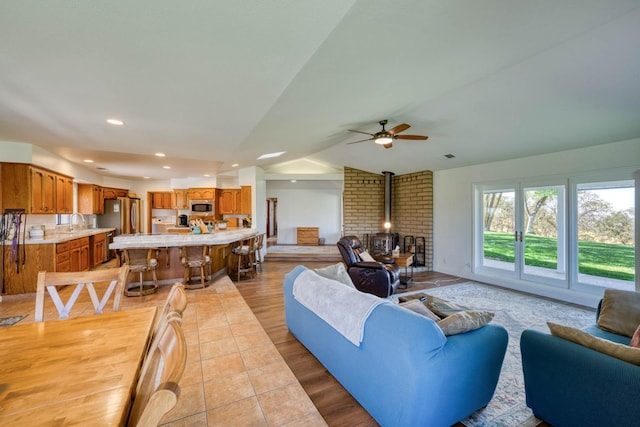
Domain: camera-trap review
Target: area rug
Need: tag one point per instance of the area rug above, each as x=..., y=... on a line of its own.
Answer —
x=8, y=321
x=516, y=312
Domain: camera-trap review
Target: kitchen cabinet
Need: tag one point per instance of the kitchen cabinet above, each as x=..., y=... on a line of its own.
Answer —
x=90, y=199
x=245, y=200
x=201, y=193
x=109, y=193
x=181, y=198
x=233, y=201
x=64, y=194
x=98, y=248
x=73, y=255
x=34, y=189
x=162, y=200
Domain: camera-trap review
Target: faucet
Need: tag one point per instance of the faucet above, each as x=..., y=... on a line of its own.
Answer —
x=73, y=215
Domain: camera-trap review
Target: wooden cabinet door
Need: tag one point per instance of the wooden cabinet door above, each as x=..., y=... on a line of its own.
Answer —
x=201, y=193
x=98, y=200
x=64, y=194
x=181, y=199
x=90, y=199
x=43, y=191
x=114, y=193
x=74, y=259
x=226, y=201
x=84, y=258
x=245, y=200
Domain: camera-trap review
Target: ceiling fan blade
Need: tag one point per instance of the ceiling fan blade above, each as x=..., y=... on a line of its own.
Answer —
x=389, y=145
x=414, y=137
x=399, y=128
x=359, y=131
x=362, y=140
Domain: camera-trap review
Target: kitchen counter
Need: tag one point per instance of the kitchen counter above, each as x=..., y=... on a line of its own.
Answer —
x=60, y=237
x=216, y=237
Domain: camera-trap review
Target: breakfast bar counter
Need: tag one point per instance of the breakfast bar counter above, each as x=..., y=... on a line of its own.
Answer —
x=167, y=248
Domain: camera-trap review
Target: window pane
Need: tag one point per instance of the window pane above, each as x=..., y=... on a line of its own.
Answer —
x=499, y=229
x=606, y=242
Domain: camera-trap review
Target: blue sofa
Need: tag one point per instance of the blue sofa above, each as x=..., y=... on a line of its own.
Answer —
x=405, y=372
x=568, y=384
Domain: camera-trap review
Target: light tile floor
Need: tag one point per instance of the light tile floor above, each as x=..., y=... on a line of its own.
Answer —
x=234, y=376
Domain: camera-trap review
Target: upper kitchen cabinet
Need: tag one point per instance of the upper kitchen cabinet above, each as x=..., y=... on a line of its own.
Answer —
x=113, y=193
x=245, y=199
x=233, y=201
x=181, y=198
x=64, y=194
x=34, y=189
x=90, y=199
x=201, y=193
x=162, y=200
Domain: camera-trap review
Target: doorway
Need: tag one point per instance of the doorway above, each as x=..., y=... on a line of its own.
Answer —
x=272, y=220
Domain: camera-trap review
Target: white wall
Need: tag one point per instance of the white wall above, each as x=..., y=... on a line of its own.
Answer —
x=453, y=205
x=307, y=204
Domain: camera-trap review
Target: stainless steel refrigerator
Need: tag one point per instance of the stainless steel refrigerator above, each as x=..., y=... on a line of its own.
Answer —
x=123, y=214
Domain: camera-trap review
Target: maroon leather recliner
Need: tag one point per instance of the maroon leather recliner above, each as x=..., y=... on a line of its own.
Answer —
x=372, y=277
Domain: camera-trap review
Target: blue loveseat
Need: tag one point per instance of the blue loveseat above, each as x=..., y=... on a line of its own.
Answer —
x=568, y=384
x=404, y=372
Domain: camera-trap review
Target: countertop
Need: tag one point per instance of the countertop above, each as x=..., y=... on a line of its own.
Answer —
x=60, y=237
x=216, y=237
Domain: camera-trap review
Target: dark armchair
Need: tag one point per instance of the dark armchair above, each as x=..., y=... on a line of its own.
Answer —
x=372, y=277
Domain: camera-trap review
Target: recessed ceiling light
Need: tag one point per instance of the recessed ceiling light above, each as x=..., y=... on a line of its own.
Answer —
x=167, y=167
x=146, y=177
x=115, y=122
x=206, y=174
x=235, y=165
x=293, y=180
x=160, y=154
x=88, y=161
x=270, y=155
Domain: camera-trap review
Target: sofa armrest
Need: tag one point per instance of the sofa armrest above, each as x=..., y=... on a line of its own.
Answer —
x=368, y=264
x=571, y=385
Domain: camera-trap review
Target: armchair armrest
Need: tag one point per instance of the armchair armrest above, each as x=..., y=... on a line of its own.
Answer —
x=568, y=384
x=368, y=264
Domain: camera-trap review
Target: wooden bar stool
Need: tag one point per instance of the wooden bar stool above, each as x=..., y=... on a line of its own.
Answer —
x=141, y=260
x=259, y=244
x=193, y=257
x=245, y=256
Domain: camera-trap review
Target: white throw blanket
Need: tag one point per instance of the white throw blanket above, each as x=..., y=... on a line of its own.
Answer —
x=342, y=307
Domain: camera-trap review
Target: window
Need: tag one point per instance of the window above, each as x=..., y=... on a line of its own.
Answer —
x=558, y=231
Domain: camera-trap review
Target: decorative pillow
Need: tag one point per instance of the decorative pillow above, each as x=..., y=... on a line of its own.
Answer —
x=635, y=339
x=619, y=351
x=440, y=307
x=464, y=321
x=366, y=257
x=336, y=272
x=620, y=312
x=417, y=306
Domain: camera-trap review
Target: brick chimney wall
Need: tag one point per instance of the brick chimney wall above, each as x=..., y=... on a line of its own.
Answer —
x=412, y=206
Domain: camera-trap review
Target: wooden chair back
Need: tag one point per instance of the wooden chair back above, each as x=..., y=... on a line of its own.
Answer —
x=158, y=390
x=51, y=281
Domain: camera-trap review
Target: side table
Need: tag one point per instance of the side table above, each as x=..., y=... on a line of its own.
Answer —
x=405, y=260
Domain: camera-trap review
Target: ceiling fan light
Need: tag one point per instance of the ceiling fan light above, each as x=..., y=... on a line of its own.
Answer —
x=382, y=140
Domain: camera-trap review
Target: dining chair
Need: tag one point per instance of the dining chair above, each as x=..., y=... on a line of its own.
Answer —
x=51, y=281
x=158, y=390
x=175, y=304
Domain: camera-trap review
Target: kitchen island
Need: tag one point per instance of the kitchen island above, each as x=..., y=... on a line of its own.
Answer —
x=168, y=246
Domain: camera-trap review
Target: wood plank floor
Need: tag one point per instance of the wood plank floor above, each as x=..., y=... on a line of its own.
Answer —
x=264, y=295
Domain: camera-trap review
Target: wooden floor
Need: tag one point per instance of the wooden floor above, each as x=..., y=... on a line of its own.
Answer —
x=264, y=295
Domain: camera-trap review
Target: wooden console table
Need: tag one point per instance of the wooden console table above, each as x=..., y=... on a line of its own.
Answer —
x=308, y=236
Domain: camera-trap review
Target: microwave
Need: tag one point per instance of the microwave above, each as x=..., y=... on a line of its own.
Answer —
x=201, y=207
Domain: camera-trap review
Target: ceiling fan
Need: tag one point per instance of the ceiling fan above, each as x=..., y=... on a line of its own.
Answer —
x=386, y=137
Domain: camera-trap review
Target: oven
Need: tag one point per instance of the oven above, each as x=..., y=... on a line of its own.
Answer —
x=201, y=207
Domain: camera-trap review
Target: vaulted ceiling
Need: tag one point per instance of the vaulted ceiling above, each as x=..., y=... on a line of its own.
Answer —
x=216, y=83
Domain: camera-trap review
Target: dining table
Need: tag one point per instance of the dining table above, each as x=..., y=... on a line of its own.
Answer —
x=80, y=371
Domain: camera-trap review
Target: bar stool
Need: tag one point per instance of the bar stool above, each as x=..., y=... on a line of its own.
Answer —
x=259, y=243
x=195, y=257
x=141, y=260
x=245, y=255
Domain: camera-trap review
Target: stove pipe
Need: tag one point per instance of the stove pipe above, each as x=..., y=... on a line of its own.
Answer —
x=387, y=195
